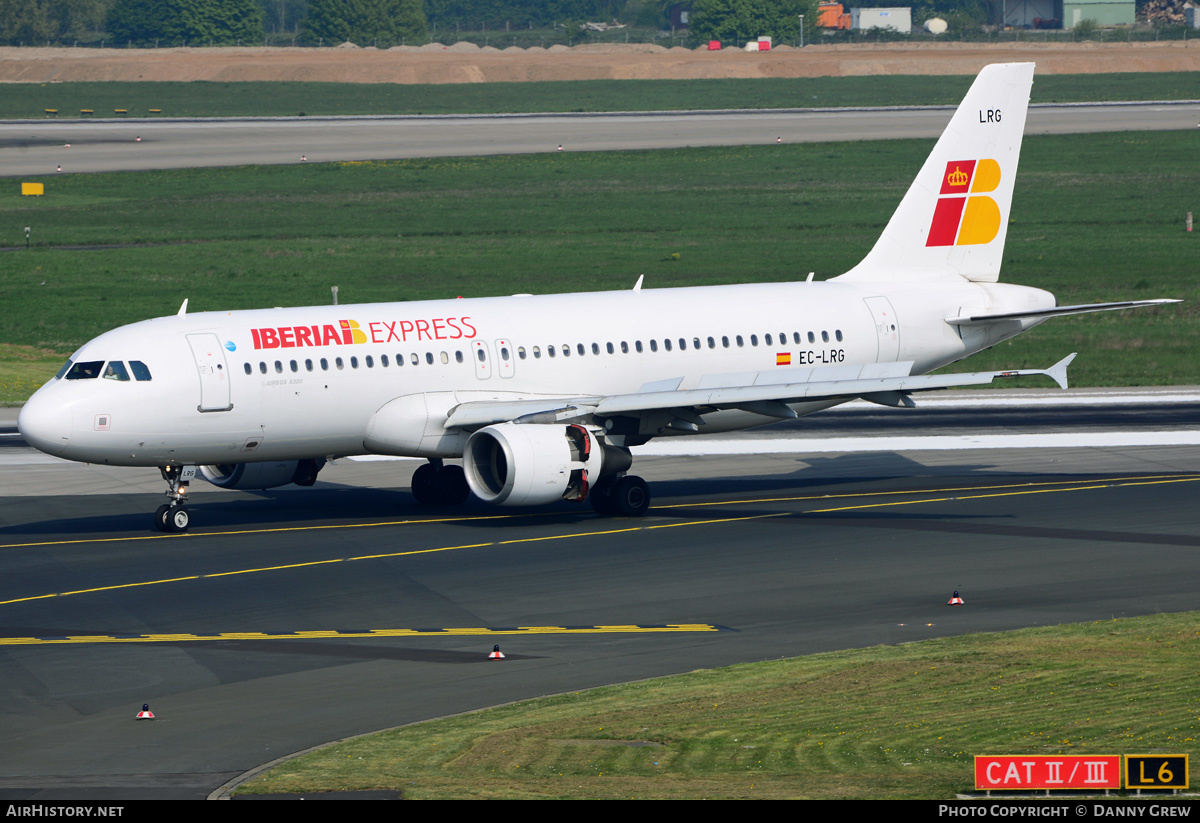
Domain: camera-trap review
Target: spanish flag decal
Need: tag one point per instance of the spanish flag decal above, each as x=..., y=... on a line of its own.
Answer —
x=783, y=359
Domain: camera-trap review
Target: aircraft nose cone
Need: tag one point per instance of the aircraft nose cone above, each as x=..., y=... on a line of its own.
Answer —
x=45, y=423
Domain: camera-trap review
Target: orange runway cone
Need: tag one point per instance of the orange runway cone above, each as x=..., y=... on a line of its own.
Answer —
x=496, y=653
x=955, y=600
x=145, y=713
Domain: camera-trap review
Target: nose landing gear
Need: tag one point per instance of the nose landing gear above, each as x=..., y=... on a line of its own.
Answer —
x=173, y=517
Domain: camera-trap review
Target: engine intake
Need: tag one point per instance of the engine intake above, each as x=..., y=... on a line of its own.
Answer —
x=513, y=464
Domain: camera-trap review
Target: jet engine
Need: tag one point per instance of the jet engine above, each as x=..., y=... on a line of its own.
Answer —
x=262, y=475
x=526, y=464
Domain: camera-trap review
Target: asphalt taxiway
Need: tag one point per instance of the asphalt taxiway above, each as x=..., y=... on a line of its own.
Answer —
x=36, y=149
x=292, y=617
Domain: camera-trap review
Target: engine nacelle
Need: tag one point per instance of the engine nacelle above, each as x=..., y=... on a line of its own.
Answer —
x=262, y=475
x=514, y=464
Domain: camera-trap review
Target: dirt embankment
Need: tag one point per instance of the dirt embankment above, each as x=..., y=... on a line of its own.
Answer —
x=465, y=63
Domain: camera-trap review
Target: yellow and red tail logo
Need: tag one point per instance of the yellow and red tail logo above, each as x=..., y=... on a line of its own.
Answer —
x=964, y=215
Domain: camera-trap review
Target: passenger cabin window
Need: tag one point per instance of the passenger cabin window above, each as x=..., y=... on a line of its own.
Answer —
x=85, y=371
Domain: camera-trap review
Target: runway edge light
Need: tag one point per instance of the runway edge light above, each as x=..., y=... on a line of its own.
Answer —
x=496, y=653
x=955, y=600
x=145, y=713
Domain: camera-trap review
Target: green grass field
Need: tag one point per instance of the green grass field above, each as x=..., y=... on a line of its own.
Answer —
x=886, y=722
x=1095, y=217
x=209, y=99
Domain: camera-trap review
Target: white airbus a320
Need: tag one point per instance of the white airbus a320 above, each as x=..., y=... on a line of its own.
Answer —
x=542, y=397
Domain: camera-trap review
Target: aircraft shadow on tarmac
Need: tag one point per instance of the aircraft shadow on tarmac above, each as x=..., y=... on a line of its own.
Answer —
x=332, y=504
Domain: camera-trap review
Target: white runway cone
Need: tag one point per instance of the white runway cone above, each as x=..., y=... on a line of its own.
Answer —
x=496, y=653
x=145, y=713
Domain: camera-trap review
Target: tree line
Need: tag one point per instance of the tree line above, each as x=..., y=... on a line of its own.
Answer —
x=390, y=22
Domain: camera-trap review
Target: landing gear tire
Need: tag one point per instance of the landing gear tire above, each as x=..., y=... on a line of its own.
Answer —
x=450, y=486
x=630, y=496
x=160, y=517
x=434, y=485
x=172, y=519
x=423, y=480
x=601, y=498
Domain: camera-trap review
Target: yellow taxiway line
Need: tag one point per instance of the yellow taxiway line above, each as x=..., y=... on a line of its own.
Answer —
x=374, y=634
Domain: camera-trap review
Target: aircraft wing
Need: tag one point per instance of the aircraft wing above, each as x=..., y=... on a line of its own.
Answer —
x=766, y=393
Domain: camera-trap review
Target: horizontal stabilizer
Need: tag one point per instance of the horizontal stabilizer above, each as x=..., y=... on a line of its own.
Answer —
x=1057, y=311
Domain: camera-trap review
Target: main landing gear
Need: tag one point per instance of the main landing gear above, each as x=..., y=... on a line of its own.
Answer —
x=625, y=496
x=173, y=517
x=436, y=484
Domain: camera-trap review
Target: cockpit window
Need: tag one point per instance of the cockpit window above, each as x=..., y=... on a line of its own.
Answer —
x=115, y=370
x=64, y=369
x=85, y=371
x=140, y=372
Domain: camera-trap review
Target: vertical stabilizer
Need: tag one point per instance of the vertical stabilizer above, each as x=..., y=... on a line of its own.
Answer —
x=954, y=218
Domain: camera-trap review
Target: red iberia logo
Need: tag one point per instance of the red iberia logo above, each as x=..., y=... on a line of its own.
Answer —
x=346, y=333
x=964, y=215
